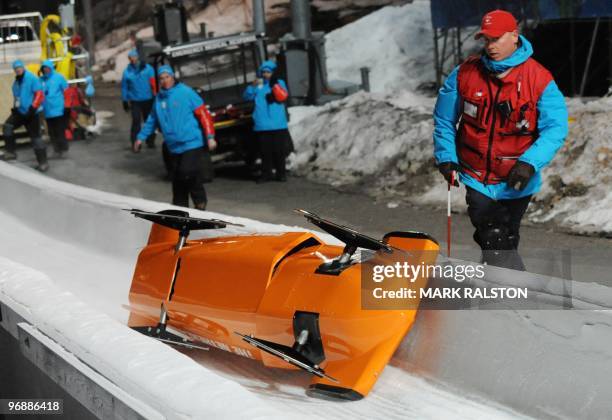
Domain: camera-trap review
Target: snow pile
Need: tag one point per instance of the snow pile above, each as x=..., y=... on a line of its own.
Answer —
x=379, y=143
x=577, y=191
x=396, y=43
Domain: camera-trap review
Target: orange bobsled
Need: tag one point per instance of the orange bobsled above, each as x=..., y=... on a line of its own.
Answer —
x=289, y=300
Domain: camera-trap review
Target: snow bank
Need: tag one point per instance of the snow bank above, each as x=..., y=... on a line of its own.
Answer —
x=377, y=142
x=153, y=372
x=395, y=42
x=577, y=185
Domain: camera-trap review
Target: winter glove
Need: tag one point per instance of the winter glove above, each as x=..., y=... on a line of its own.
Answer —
x=126, y=106
x=31, y=112
x=273, y=81
x=270, y=98
x=446, y=169
x=519, y=175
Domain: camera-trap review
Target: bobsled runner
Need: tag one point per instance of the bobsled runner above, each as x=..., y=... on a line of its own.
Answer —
x=289, y=300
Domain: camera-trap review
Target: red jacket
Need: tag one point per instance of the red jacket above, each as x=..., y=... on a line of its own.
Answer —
x=498, y=117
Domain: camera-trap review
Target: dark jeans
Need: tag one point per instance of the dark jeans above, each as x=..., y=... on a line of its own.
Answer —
x=497, y=224
x=274, y=146
x=57, y=133
x=140, y=112
x=187, y=178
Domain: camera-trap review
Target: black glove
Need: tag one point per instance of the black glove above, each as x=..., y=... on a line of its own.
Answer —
x=126, y=106
x=270, y=98
x=519, y=175
x=31, y=112
x=273, y=81
x=446, y=169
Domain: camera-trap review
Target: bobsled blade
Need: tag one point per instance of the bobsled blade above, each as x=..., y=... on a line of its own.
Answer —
x=288, y=354
x=167, y=337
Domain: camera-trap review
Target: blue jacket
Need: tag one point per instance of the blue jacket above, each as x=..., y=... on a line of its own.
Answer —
x=53, y=86
x=266, y=116
x=552, y=127
x=136, y=83
x=24, y=90
x=173, y=113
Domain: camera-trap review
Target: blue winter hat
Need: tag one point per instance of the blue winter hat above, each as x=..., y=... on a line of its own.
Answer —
x=133, y=53
x=47, y=63
x=268, y=65
x=18, y=63
x=165, y=69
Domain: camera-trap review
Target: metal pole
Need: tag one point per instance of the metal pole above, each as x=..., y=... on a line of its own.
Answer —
x=259, y=26
x=609, y=54
x=437, y=59
x=300, y=19
x=365, y=78
x=89, y=32
x=588, y=62
x=573, y=56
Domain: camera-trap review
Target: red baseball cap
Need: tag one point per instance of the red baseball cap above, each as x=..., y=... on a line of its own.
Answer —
x=497, y=23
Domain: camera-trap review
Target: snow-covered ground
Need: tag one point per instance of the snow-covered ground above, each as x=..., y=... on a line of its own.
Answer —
x=381, y=142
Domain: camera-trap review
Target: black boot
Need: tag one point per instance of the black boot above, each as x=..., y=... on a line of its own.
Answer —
x=41, y=158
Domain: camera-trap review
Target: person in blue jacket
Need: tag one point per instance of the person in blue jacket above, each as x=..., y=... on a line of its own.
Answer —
x=181, y=115
x=270, y=120
x=27, y=100
x=54, y=85
x=499, y=119
x=138, y=87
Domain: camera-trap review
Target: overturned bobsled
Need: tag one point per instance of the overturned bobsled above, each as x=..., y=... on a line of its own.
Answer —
x=289, y=300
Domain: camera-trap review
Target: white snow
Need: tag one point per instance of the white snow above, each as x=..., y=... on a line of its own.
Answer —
x=395, y=42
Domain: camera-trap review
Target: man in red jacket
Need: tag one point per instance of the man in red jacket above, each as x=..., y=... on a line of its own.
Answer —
x=499, y=119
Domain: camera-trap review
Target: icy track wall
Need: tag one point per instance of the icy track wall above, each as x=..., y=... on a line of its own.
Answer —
x=547, y=363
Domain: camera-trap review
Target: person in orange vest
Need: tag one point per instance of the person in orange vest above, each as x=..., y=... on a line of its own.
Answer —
x=499, y=119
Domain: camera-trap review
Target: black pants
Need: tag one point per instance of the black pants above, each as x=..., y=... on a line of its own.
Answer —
x=274, y=146
x=57, y=133
x=140, y=112
x=497, y=224
x=187, y=178
x=32, y=126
